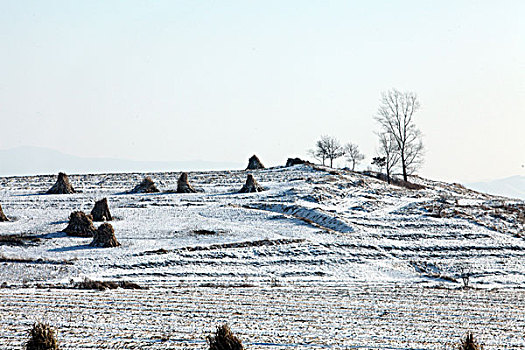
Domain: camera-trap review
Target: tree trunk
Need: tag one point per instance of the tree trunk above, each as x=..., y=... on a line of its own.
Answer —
x=388, y=173
x=403, y=164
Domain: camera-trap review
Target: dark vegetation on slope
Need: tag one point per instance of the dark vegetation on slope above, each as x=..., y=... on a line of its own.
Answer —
x=394, y=180
x=103, y=285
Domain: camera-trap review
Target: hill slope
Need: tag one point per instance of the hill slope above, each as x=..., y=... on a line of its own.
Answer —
x=311, y=224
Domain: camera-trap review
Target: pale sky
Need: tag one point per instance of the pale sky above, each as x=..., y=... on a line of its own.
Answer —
x=222, y=80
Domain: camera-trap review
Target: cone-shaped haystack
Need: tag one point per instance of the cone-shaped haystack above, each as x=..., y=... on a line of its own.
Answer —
x=295, y=161
x=104, y=237
x=2, y=215
x=41, y=337
x=254, y=163
x=251, y=185
x=100, y=211
x=62, y=186
x=224, y=339
x=80, y=225
x=146, y=186
x=183, y=185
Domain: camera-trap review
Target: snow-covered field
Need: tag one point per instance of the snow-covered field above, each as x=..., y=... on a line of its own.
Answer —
x=323, y=258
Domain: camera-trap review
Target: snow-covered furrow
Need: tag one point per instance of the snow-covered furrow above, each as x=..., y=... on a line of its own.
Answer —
x=364, y=316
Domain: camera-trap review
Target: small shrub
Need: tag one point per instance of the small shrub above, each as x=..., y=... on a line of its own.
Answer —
x=224, y=339
x=469, y=343
x=41, y=337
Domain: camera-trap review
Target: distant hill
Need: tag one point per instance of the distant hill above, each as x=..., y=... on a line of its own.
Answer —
x=513, y=187
x=29, y=160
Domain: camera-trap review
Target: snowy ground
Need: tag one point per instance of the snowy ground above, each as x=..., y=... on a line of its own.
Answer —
x=322, y=258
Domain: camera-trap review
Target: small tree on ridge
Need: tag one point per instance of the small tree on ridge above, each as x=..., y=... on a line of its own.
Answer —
x=353, y=155
x=327, y=147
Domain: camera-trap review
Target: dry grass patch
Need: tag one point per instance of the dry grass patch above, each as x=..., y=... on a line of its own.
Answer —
x=103, y=285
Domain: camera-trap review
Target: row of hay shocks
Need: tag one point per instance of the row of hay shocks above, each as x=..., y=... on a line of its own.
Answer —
x=43, y=337
x=101, y=211
x=81, y=225
x=183, y=185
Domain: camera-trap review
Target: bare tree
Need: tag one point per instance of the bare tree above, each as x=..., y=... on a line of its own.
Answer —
x=318, y=153
x=389, y=150
x=353, y=155
x=334, y=149
x=380, y=162
x=327, y=147
x=396, y=117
